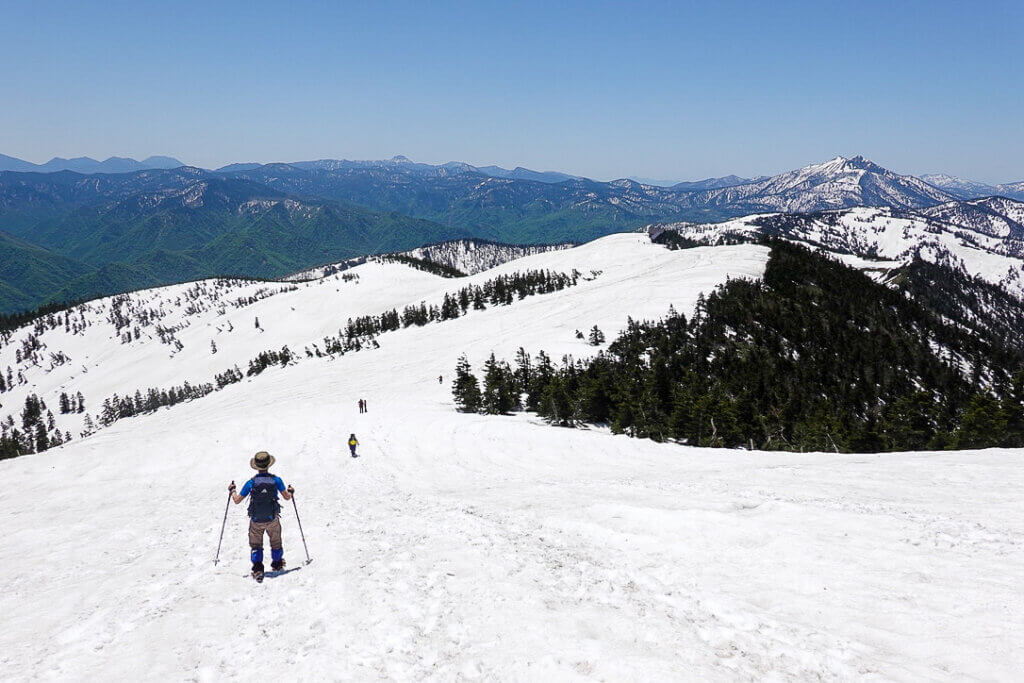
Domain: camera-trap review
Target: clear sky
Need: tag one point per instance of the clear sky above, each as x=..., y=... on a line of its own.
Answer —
x=673, y=90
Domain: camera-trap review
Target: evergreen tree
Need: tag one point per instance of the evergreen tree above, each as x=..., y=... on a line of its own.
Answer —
x=498, y=393
x=465, y=388
x=1013, y=412
x=983, y=424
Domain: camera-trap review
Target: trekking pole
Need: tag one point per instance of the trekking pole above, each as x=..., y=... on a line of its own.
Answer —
x=226, y=506
x=308, y=558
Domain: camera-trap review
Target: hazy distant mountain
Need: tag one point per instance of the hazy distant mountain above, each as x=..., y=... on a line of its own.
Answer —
x=520, y=173
x=88, y=165
x=958, y=187
x=1012, y=190
x=404, y=164
x=238, y=167
x=714, y=183
x=969, y=189
x=12, y=164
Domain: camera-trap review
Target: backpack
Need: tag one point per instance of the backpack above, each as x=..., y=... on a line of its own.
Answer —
x=263, y=505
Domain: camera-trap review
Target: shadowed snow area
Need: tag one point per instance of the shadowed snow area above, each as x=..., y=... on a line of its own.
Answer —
x=462, y=547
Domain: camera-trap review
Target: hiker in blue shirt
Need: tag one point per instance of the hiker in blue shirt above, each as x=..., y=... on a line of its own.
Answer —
x=264, y=512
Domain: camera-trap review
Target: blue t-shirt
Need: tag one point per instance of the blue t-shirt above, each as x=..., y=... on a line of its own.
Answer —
x=278, y=484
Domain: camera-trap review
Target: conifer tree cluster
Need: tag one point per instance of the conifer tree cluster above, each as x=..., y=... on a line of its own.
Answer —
x=120, y=407
x=816, y=356
x=38, y=431
x=267, y=358
x=71, y=403
x=427, y=266
x=500, y=392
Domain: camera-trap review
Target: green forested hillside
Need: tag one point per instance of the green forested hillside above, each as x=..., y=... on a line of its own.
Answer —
x=83, y=241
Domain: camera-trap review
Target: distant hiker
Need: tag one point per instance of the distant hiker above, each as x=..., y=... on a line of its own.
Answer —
x=352, y=443
x=361, y=411
x=440, y=379
x=366, y=407
x=264, y=512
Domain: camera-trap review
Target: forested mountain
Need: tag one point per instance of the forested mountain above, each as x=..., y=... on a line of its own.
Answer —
x=120, y=231
x=578, y=209
x=108, y=233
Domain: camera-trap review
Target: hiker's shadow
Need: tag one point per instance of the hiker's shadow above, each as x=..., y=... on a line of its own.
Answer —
x=282, y=572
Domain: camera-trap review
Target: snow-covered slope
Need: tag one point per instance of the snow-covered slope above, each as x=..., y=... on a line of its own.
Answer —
x=983, y=237
x=194, y=331
x=464, y=547
x=994, y=216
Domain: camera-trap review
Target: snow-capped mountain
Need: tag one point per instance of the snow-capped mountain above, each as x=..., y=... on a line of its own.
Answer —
x=835, y=184
x=984, y=238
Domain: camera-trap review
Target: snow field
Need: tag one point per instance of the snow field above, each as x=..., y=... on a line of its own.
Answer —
x=464, y=547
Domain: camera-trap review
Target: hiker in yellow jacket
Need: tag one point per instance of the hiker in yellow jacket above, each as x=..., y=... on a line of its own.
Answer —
x=352, y=443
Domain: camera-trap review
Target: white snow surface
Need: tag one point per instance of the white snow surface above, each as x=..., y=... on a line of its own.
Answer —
x=464, y=547
x=981, y=237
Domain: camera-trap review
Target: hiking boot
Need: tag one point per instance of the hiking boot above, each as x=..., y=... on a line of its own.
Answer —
x=257, y=570
x=277, y=565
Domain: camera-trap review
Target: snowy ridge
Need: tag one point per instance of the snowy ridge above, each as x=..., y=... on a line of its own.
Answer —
x=984, y=238
x=192, y=332
x=473, y=256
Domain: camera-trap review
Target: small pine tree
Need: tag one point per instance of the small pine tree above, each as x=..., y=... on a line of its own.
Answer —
x=596, y=337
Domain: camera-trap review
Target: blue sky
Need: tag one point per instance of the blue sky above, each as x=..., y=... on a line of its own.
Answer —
x=673, y=90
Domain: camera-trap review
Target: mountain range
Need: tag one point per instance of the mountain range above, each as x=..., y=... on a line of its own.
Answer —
x=88, y=165
x=969, y=189
x=69, y=235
